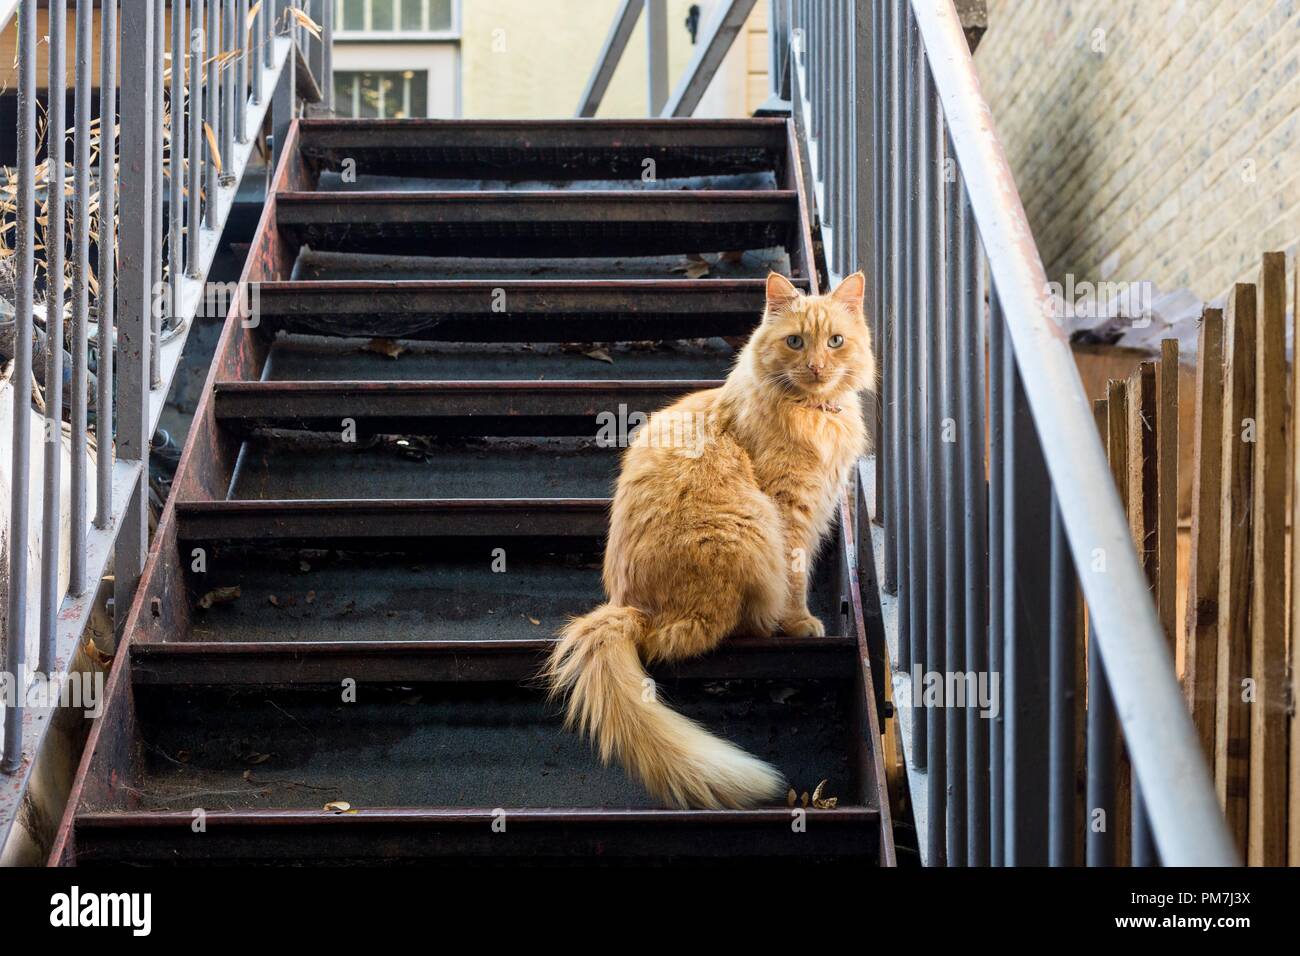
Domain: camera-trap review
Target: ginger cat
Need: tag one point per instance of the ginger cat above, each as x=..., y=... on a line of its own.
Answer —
x=721, y=505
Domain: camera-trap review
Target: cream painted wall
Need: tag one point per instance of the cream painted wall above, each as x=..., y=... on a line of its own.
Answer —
x=532, y=58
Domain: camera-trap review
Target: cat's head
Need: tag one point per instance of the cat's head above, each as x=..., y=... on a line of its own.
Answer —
x=816, y=346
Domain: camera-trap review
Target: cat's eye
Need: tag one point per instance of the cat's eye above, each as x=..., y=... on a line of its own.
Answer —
x=835, y=341
x=794, y=341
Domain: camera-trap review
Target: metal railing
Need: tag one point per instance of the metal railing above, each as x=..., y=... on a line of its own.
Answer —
x=710, y=49
x=983, y=571
x=145, y=224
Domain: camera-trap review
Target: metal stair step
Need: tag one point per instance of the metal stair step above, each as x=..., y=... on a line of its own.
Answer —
x=461, y=407
x=542, y=223
x=553, y=310
x=509, y=586
x=556, y=150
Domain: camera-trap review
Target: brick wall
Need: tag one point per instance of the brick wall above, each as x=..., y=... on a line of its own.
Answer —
x=1151, y=139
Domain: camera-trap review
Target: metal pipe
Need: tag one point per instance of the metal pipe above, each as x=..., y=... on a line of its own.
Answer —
x=1103, y=750
x=656, y=36
x=19, y=492
x=157, y=295
x=257, y=56
x=194, y=207
x=1188, y=825
x=212, y=114
x=327, y=55
x=56, y=147
x=918, y=571
x=953, y=450
x=1063, y=644
x=229, y=94
x=892, y=155
x=176, y=197
x=78, y=529
x=931, y=258
x=1026, y=534
x=240, y=102
x=997, y=566
x=107, y=253
x=975, y=521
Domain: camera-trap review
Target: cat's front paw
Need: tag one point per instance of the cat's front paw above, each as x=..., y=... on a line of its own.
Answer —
x=804, y=625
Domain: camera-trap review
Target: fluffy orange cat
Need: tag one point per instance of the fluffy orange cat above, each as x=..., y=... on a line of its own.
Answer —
x=722, y=502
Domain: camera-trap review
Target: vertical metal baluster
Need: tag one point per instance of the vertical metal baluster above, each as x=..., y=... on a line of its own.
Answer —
x=895, y=529
x=241, y=80
x=1103, y=752
x=156, y=197
x=19, y=492
x=906, y=343
x=975, y=492
x=212, y=113
x=918, y=569
x=932, y=219
x=874, y=217
x=1063, y=640
x=55, y=221
x=269, y=11
x=195, y=178
x=283, y=100
x=139, y=260
x=837, y=182
x=1026, y=537
x=327, y=55
x=954, y=450
x=176, y=196
x=106, y=243
x=256, y=54
x=77, y=572
x=229, y=92
x=998, y=348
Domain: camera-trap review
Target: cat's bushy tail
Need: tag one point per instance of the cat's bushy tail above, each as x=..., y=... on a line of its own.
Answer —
x=596, y=664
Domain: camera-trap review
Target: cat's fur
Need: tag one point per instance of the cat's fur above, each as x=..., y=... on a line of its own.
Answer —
x=713, y=533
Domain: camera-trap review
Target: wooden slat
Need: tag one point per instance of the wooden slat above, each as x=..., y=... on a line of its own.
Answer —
x=1201, y=658
x=1141, y=472
x=1117, y=448
x=1268, y=714
x=1293, y=822
x=1166, y=543
x=1232, y=721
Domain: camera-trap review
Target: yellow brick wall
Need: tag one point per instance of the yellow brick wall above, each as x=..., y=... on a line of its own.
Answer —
x=1150, y=139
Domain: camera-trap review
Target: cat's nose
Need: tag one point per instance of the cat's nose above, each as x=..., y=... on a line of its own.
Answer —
x=815, y=369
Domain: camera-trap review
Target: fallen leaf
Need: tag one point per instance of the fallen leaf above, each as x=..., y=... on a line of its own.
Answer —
x=533, y=620
x=600, y=355
x=823, y=803
x=273, y=600
x=311, y=597
x=219, y=596
x=734, y=257
x=385, y=347
x=803, y=798
x=257, y=758
x=338, y=806
x=791, y=797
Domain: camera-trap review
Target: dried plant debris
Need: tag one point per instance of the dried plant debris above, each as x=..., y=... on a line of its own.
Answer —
x=821, y=802
x=600, y=355
x=339, y=807
x=386, y=347
x=219, y=596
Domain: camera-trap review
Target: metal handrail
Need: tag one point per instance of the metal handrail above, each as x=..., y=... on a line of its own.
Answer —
x=894, y=82
x=149, y=284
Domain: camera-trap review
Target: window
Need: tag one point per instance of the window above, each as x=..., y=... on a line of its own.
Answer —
x=395, y=16
x=397, y=94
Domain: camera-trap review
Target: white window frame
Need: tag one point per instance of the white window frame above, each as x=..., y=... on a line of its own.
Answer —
x=371, y=36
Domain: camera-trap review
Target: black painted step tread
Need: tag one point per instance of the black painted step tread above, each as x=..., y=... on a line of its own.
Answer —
x=597, y=223
x=514, y=310
x=571, y=407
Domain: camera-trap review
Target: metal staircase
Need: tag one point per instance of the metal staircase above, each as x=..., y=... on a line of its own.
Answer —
x=395, y=491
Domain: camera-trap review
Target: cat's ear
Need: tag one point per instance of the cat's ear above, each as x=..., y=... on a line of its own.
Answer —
x=780, y=292
x=851, y=291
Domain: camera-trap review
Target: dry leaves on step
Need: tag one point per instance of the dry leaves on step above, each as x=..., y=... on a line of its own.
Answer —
x=95, y=654
x=600, y=355
x=695, y=267
x=533, y=620
x=339, y=806
x=385, y=347
x=823, y=803
x=219, y=596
